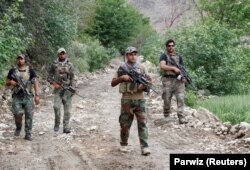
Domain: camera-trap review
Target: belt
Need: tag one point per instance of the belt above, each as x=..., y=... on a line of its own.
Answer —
x=171, y=76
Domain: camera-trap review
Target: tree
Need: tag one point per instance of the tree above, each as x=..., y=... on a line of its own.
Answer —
x=115, y=23
x=212, y=56
x=234, y=13
x=51, y=23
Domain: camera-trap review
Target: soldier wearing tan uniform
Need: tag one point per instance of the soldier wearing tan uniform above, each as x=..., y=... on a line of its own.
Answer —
x=132, y=102
x=171, y=84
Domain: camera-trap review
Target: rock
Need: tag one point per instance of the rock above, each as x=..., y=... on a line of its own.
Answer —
x=80, y=106
x=234, y=129
x=247, y=141
x=41, y=133
x=240, y=134
x=3, y=126
x=93, y=128
x=205, y=115
x=207, y=129
x=244, y=125
x=78, y=83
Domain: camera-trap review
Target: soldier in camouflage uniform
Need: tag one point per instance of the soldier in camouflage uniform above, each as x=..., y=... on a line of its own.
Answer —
x=23, y=94
x=132, y=102
x=172, y=85
x=61, y=73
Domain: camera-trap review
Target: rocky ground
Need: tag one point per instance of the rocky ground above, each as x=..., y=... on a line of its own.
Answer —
x=94, y=141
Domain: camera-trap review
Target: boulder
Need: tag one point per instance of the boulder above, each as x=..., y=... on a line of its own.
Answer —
x=244, y=125
x=205, y=115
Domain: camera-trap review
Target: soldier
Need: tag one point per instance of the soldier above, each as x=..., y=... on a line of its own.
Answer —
x=171, y=84
x=61, y=73
x=21, y=79
x=132, y=102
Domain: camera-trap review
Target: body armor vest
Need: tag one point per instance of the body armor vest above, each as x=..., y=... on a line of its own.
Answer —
x=62, y=72
x=128, y=87
x=176, y=58
x=25, y=77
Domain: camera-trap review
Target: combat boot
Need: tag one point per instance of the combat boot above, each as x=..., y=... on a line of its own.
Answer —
x=28, y=137
x=66, y=130
x=17, y=132
x=56, y=128
x=145, y=151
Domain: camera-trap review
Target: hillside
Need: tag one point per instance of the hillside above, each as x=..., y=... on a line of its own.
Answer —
x=165, y=14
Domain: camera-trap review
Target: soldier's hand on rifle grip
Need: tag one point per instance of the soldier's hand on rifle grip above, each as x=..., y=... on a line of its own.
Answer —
x=141, y=87
x=12, y=83
x=126, y=78
x=56, y=86
x=176, y=70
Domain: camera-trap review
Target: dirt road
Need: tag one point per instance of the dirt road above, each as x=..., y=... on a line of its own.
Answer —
x=94, y=141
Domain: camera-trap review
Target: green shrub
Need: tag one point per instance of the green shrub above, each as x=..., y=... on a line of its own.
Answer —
x=190, y=98
x=116, y=23
x=212, y=56
x=78, y=56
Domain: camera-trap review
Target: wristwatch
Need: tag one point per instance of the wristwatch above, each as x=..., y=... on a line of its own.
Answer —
x=37, y=94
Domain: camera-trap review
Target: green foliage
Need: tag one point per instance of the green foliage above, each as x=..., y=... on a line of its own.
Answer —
x=77, y=54
x=90, y=55
x=98, y=55
x=152, y=48
x=116, y=23
x=212, y=56
x=52, y=23
x=12, y=32
x=233, y=13
x=190, y=98
x=229, y=108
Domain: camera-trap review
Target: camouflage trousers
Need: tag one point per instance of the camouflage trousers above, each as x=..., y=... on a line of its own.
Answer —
x=129, y=108
x=172, y=87
x=65, y=98
x=20, y=105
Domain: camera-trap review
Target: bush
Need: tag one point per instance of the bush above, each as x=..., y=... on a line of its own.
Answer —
x=78, y=56
x=12, y=40
x=152, y=48
x=190, y=98
x=212, y=56
x=116, y=23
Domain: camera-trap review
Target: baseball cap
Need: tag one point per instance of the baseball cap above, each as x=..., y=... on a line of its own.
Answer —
x=60, y=50
x=130, y=50
x=21, y=55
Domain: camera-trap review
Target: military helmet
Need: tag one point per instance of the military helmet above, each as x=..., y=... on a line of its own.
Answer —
x=130, y=50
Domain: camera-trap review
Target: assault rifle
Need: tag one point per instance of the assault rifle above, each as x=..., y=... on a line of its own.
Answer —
x=21, y=85
x=183, y=71
x=68, y=88
x=140, y=79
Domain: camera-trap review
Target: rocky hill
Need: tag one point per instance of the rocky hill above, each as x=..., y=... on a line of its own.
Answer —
x=165, y=14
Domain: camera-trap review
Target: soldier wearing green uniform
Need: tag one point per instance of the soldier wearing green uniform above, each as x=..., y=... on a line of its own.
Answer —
x=132, y=102
x=172, y=85
x=22, y=80
x=61, y=73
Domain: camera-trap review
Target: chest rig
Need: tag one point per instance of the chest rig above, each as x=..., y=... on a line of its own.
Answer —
x=24, y=76
x=129, y=87
x=176, y=58
x=62, y=72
